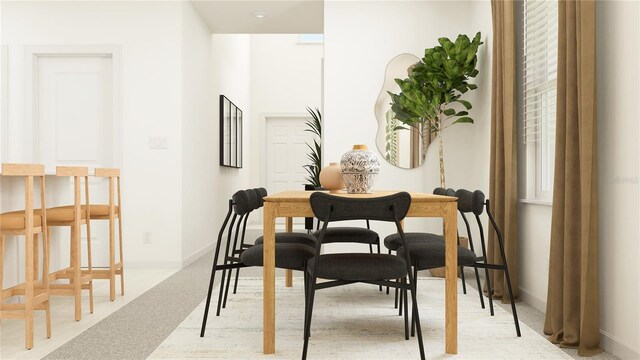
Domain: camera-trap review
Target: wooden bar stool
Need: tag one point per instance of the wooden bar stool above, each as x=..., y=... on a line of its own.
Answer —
x=111, y=212
x=27, y=223
x=74, y=216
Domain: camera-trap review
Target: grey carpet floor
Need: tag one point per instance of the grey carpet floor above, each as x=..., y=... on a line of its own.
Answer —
x=138, y=328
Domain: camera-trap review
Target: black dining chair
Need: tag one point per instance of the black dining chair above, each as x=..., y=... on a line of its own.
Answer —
x=429, y=254
x=347, y=268
x=392, y=243
x=289, y=254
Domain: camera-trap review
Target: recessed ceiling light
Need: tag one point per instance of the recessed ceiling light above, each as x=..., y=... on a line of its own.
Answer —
x=260, y=14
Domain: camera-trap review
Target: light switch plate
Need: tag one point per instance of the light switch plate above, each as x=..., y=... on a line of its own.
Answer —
x=158, y=142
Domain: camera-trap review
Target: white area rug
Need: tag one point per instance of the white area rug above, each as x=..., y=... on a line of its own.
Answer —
x=351, y=322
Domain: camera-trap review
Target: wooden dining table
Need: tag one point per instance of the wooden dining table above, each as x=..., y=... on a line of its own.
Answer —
x=292, y=204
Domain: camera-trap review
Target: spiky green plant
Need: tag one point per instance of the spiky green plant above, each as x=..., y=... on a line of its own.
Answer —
x=314, y=126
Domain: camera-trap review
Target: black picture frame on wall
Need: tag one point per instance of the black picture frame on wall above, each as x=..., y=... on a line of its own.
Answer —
x=230, y=134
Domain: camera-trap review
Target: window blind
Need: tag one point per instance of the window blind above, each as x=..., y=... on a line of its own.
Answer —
x=539, y=69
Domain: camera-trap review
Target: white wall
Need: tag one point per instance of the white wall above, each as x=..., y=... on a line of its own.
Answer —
x=199, y=139
x=218, y=64
x=360, y=39
x=286, y=77
x=148, y=34
x=618, y=56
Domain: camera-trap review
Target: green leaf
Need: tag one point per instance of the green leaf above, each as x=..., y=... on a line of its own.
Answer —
x=465, y=103
x=462, y=113
x=449, y=112
x=463, y=120
x=472, y=86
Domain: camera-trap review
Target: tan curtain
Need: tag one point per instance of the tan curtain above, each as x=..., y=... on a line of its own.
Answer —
x=503, y=172
x=572, y=316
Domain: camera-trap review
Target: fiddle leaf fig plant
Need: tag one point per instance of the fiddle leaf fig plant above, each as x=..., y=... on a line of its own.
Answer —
x=430, y=97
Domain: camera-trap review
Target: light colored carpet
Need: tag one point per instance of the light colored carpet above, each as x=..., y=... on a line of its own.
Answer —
x=351, y=322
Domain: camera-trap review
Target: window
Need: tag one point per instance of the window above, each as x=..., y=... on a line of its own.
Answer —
x=539, y=70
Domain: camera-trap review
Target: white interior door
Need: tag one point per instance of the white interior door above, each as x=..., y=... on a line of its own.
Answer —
x=75, y=110
x=75, y=125
x=286, y=154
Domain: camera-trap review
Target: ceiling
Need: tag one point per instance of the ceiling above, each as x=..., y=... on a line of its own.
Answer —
x=280, y=17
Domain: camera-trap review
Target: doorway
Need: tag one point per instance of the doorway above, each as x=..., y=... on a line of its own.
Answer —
x=286, y=154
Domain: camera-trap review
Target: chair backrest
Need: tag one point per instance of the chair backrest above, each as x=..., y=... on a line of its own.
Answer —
x=114, y=185
x=470, y=202
x=444, y=192
x=29, y=171
x=242, y=203
x=261, y=192
x=390, y=208
x=475, y=202
x=77, y=172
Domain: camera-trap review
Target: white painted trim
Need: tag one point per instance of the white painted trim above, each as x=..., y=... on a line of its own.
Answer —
x=618, y=347
x=607, y=341
x=529, y=298
x=4, y=102
x=198, y=254
x=170, y=265
x=31, y=99
x=542, y=202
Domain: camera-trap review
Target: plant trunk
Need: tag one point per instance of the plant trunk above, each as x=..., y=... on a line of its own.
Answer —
x=442, y=182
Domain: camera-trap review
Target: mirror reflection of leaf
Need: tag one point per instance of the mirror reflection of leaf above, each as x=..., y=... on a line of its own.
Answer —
x=401, y=144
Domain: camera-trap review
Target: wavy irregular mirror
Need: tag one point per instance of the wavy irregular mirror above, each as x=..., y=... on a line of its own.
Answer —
x=405, y=148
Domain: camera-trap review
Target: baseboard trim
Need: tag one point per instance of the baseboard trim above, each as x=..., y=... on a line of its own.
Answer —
x=618, y=347
x=197, y=254
x=171, y=265
x=607, y=341
x=529, y=298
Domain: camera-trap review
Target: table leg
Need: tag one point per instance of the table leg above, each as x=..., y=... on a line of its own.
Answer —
x=269, y=278
x=450, y=217
x=288, y=272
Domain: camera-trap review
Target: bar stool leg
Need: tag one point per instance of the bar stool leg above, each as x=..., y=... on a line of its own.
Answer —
x=112, y=260
x=77, y=271
x=121, y=258
x=89, y=265
x=45, y=280
x=28, y=295
x=36, y=254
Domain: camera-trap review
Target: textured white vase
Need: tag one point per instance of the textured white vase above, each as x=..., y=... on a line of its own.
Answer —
x=360, y=168
x=331, y=178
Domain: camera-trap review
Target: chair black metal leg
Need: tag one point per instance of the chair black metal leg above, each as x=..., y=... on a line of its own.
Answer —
x=400, y=303
x=309, y=314
x=226, y=290
x=475, y=269
x=406, y=313
x=378, y=245
x=464, y=285
x=489, y=290
x=415, y=285
x=508, y=279
x=416, y=314
x=224, y=273
x=208, y=303
x=387, y=286
x=235, y=284
x=513, y=304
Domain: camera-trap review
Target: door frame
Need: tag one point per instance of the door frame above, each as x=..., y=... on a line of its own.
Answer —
x=33, y=54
